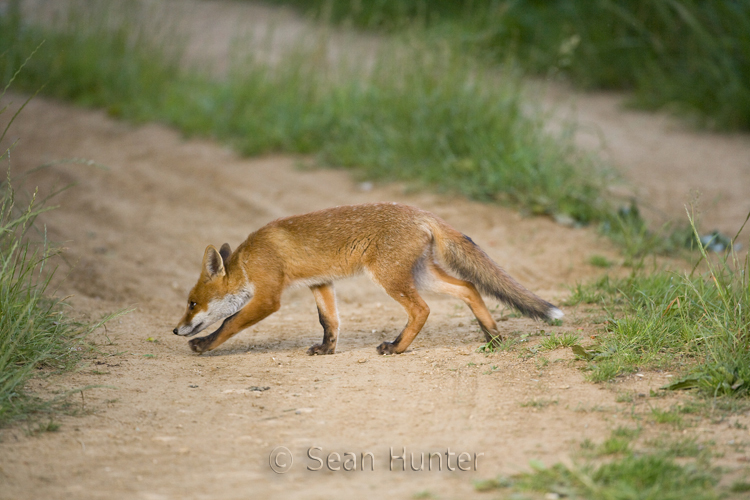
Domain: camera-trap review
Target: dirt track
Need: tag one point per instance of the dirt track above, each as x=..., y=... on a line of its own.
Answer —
x=170, y=424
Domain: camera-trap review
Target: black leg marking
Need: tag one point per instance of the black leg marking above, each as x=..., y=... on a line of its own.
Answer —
x=389, y=347
x=328, y=346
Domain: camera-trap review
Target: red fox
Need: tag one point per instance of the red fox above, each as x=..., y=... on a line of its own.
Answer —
x=401, y=248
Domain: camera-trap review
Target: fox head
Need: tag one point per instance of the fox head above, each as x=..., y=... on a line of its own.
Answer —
x=211, y=299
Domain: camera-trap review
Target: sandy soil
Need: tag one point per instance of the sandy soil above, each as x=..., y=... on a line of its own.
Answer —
x=166, y=423
x=669, y=166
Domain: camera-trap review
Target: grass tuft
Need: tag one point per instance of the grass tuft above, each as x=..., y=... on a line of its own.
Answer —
x=681, y=447
x=628, y=473
x=538, y=403
x=740, y=487
x=670, y=417
x=600, y=261
x=647, y=476
x=492, y=346
x=555, y=341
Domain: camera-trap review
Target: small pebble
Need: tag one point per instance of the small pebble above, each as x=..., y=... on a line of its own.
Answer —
x=258, y=389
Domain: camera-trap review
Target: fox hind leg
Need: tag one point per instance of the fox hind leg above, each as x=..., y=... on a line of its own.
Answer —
x=325, y=298
x=404, y=291
x=442, y=282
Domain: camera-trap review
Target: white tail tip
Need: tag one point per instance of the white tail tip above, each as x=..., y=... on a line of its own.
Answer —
x=555, y=313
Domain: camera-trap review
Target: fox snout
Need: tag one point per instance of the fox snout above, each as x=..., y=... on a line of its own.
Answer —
x=188, y=330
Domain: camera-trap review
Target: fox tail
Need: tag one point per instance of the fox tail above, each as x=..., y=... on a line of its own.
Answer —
x=460, y=254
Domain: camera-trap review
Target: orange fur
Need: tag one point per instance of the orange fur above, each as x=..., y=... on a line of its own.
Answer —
x=402, y=248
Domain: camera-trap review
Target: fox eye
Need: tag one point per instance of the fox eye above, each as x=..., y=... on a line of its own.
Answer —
x=191, y=305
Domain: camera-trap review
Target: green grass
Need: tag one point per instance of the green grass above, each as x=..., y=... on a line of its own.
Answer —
x=119, y=67
x=626, y=432
x=600, y=261
x=630, y=472
x=697, y=324
x=508, y=344
x=740, y=487
x=424, y=111
x=649, y=476
x=538, y=403
x=670, y=417
x=37, y=337
x=36, y=334
x=642, y=476
x=614, y=445
x=690, y=56
x=688, y=447
x=555, y=341
x=42, y=427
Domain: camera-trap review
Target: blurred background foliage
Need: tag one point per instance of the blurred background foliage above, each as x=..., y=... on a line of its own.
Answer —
x=688, y=56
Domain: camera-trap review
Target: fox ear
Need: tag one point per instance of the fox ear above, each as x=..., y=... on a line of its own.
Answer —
x=213, y=264
x=225, y=251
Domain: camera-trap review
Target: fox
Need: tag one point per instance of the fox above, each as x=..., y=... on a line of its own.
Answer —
x=401, y=248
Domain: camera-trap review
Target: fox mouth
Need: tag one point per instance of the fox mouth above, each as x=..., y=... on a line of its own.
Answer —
x=199, y=327
x=196, y=329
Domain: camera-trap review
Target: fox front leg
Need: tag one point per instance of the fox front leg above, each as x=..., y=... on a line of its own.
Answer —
x=257, y=309
x=325, y=298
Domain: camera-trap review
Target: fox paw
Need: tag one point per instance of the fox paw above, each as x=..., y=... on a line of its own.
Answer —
x=199, y=345
x=321, y=349
x=387, y=348
x=494, y=340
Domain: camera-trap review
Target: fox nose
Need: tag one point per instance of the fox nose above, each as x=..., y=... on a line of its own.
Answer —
x=175, y=331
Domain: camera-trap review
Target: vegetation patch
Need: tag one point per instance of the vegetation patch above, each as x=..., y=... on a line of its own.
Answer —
x=37, y=337
x=420, y=110
x=697, y=324
x=688, y=56
x=627, y=472
x=555, y=341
